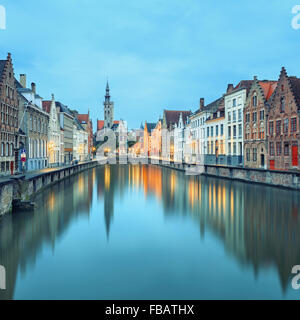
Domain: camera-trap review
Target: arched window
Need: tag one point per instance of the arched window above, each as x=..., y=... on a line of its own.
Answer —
x=282, y=104
x=254, y=100
x=2, y=149
x=11, y=149
x=7, y=150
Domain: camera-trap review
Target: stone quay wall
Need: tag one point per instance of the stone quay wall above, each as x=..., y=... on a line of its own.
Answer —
x=283, y=179
x=25, y=187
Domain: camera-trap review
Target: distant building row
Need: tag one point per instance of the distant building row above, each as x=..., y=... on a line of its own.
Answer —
x=254, y=124
x=47, y=132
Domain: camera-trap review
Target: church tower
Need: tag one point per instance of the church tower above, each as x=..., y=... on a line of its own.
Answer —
x=108, y=110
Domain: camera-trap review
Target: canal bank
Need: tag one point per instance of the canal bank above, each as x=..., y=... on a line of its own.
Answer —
x=282, y=179
x=22, y=188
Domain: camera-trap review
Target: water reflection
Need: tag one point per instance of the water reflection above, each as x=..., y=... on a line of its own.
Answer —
x=257, y=225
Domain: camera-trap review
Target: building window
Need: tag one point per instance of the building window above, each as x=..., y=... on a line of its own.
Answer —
x=294, y=125
x=254, y=154
x=217, y=130
x=282, y=104
x=278, y=127
x=240, y=114
x=234, y=103
x=278, y=148
x=271, y=148
x=234, y=148
x=248, y=117
x=262, y=115
x=234, y=116
x=207, y=132
x=212, y=131
x=229, y=148
x=254, y=101
x=229, y=116
x=286, y=125
x=229, y=132
x=254, y=117
x=286, y=149
x=248, y=154
x=271, y=128
x=240, y=131
x=222, y=129
x=234, y=131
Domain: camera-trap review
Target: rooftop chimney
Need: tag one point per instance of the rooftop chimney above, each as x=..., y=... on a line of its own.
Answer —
x=229, y=88
x=201, y=103
x=255, y=78
x=33, y=87
x=23, y=80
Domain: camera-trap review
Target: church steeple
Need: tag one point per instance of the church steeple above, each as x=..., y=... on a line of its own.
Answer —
x=108, y=109
x=107, y=95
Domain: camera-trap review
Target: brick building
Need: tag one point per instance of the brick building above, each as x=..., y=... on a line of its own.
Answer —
x=34, y=122
x=283, y=124
x=9, y=117
x=255, y=121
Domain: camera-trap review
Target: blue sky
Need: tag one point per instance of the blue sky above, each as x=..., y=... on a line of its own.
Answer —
x=157, y=54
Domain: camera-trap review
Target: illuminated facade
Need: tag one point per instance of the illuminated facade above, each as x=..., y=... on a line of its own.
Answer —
x=54, y=133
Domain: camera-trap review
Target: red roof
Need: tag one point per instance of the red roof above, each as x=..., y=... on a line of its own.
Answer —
x=100, y=124
x=47, y=106
x=268, y=88
x=83, y=118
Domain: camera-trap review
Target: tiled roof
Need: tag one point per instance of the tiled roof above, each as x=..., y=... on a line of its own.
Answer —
x=83, y=118
x=63, y=108
x=47, y=106
x=173, y=116
x=100, y=125
x=215, y=105
x=268, y=88
x=295, y=84
x=244, y=84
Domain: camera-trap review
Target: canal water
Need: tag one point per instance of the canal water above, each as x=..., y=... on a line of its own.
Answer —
x=145, y=232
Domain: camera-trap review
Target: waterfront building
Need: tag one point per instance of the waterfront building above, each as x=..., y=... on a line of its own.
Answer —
x=169, y=122
x=255, y=122
x=54, y=133
x=283, y=124
x=146, y=147
x=87, y=124
x=80, y=140
x=156, y=140
x=9, y=118
x=197, y=130
x=179, y=138
x=235, y=100
x=215, y=133
x=66, y=120
x=34, y=124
